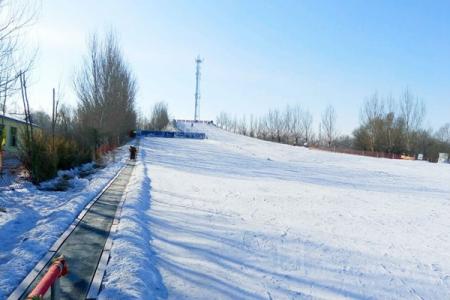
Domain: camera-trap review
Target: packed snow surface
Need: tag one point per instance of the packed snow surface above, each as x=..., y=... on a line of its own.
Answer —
x=233, y=217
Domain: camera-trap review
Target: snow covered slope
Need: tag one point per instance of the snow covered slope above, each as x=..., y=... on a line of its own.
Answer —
x=233, y=217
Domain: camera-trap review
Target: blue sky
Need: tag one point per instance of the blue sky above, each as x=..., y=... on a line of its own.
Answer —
x=257, y=54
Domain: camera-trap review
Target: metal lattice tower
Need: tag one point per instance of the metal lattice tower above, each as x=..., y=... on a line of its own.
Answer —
x=198, y=61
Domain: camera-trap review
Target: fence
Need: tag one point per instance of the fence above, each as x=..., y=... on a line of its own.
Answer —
x=364, y=153
x=174, y=134
x=193, y=121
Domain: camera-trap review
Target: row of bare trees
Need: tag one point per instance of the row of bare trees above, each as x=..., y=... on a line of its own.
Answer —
x=106, y=89
x=388, y=125
x=397, y=126
x=293, y=125
x=102, y=119
x=105, y=86
x=158, y=120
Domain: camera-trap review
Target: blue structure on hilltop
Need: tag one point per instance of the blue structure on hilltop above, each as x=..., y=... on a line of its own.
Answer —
x=173, y=134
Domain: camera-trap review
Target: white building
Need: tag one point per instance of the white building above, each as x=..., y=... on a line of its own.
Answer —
x=443, y=158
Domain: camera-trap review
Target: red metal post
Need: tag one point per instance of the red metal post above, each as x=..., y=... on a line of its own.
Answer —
x=55, y=271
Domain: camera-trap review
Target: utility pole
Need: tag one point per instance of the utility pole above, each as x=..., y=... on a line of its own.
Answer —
x=54, y=117
x=198, y=61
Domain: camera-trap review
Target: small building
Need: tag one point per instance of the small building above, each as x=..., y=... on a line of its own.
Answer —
x=11, y=128
x=443, y=158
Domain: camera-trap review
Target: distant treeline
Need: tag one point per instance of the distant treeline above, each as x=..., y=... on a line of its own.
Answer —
x=387, y=125
x=158, y=120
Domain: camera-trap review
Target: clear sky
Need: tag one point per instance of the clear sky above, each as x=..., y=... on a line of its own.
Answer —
x=257, y=54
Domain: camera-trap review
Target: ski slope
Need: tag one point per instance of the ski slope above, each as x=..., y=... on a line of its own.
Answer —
x=233, y=217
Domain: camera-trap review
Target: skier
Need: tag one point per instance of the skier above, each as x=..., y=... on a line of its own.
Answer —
x=133, y=151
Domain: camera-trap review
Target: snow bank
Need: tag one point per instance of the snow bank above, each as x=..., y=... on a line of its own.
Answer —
x=131, y=271
x=35, y=219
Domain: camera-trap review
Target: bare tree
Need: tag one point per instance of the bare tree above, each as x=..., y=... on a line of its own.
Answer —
x=242, y=126
x=252, y=126
x=287, y=124
x=66, y=121
x=106, y=89
x=275, y=124
x=15, y=17
x=297, y=126
x=263, y=128
x=412, y=111
x=329, y=125
x=372, y=115
x=234, y=124
x=307, y=125
x=160, y=116
x=443, y=134
x=223, y=120
x=320, y=135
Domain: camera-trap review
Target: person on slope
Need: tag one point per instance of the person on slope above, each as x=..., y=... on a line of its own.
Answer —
x=133, y=151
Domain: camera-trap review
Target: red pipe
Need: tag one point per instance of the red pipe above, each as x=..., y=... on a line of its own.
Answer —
x=55, y=271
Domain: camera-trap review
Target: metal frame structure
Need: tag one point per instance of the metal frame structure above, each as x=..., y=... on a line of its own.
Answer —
x=198, y=61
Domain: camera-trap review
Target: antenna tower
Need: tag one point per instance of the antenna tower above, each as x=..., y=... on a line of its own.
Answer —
x=198, y=61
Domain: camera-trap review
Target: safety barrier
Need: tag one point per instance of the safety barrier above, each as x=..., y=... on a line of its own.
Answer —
x=174, y=134
x=57, y=269
x=195, y=121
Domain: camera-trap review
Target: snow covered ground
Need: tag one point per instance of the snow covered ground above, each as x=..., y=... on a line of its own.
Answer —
x=34, y=219
x=237, y=218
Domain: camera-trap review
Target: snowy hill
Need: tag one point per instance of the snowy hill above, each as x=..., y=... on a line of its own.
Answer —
x=233, y=217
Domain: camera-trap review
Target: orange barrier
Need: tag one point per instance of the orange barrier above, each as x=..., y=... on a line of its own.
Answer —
x=406, y=157
x=57, y=269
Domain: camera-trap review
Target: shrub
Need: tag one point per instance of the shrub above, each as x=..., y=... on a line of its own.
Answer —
x=70, y=154
x=38, y=158
x=43, y=160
